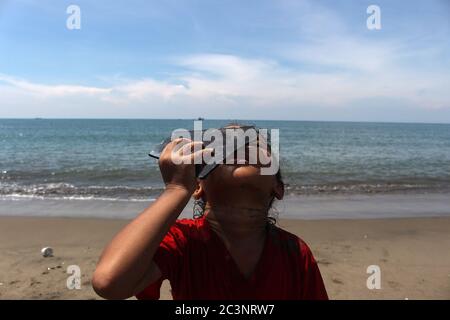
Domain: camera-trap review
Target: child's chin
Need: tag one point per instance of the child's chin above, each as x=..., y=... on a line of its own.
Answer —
x=246, y=172
x=240, y=174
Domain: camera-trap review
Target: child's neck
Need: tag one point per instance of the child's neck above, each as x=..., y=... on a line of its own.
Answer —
x=243, y=232
x=236, y=224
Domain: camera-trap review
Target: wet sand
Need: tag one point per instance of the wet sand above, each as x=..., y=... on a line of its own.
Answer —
x=307, y=207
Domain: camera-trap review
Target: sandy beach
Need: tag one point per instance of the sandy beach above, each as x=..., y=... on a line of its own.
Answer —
x=332, y=117
x=412, y=253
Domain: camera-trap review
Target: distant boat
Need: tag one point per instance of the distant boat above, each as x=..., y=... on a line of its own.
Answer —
x=200, y=119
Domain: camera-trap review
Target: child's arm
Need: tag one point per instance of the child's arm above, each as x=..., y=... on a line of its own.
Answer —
x=126, y=266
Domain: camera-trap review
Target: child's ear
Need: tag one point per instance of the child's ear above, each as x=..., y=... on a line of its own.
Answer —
x=198, y=193
x=279, y=190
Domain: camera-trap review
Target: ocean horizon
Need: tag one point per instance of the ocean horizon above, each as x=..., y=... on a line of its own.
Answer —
x=107, y=159
x=221, y=120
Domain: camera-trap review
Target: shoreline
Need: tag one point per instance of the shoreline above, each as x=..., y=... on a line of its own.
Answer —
x=305, y=207
x=412, y=254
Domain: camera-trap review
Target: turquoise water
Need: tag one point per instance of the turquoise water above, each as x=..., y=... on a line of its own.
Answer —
x=107, y=159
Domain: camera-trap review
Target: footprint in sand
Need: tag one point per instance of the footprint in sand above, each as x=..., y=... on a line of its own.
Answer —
x=324, y=262
x=34, y=282
x=337, y=281
x=393, y=284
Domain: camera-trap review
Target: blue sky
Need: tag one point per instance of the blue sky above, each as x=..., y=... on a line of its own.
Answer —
x=284, y=59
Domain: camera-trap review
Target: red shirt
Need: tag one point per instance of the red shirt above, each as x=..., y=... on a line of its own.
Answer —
x=199, y=267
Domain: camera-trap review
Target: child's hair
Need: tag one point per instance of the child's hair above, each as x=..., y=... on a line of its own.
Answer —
x=273, y=214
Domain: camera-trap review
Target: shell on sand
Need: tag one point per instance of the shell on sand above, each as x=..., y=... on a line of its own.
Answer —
x=47, y=252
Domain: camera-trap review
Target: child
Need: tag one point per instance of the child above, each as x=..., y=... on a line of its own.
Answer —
x=232, y=251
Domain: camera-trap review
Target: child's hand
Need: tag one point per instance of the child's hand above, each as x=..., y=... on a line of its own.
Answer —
x=177, y=163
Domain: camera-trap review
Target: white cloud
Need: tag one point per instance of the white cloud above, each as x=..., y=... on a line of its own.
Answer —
x=48, y=91
x=331, y=68
x=217, y=80
x=344, y=53
x=144, y=90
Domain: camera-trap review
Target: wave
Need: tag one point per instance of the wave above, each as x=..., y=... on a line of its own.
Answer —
x=367, y=188
x=99, y=173
x=19, y=197
x=68, y=191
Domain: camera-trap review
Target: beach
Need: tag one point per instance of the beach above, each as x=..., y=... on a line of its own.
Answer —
x=331, y=116
x=360, y=194
x=412, y=252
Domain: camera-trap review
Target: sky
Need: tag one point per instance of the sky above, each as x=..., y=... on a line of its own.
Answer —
x=227, y=59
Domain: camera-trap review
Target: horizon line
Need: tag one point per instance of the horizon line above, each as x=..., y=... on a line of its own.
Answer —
x=220, y=119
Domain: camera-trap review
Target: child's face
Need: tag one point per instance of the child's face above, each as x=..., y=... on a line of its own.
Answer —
x=241, y=185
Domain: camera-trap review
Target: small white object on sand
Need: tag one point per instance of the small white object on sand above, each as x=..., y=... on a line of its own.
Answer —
x=47, y=252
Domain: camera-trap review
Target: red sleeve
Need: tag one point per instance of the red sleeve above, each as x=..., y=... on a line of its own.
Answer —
x=312, y=287
x=168, y=258
x=170, y=254
x=151, y=292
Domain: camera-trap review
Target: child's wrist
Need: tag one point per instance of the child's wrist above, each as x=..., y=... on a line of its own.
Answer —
x=180, y=189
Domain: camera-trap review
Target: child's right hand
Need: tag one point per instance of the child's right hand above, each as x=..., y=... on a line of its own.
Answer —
x=177, y=163
x=126, y=265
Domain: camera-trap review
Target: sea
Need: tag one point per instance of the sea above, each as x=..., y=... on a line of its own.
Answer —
x=107, y=159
